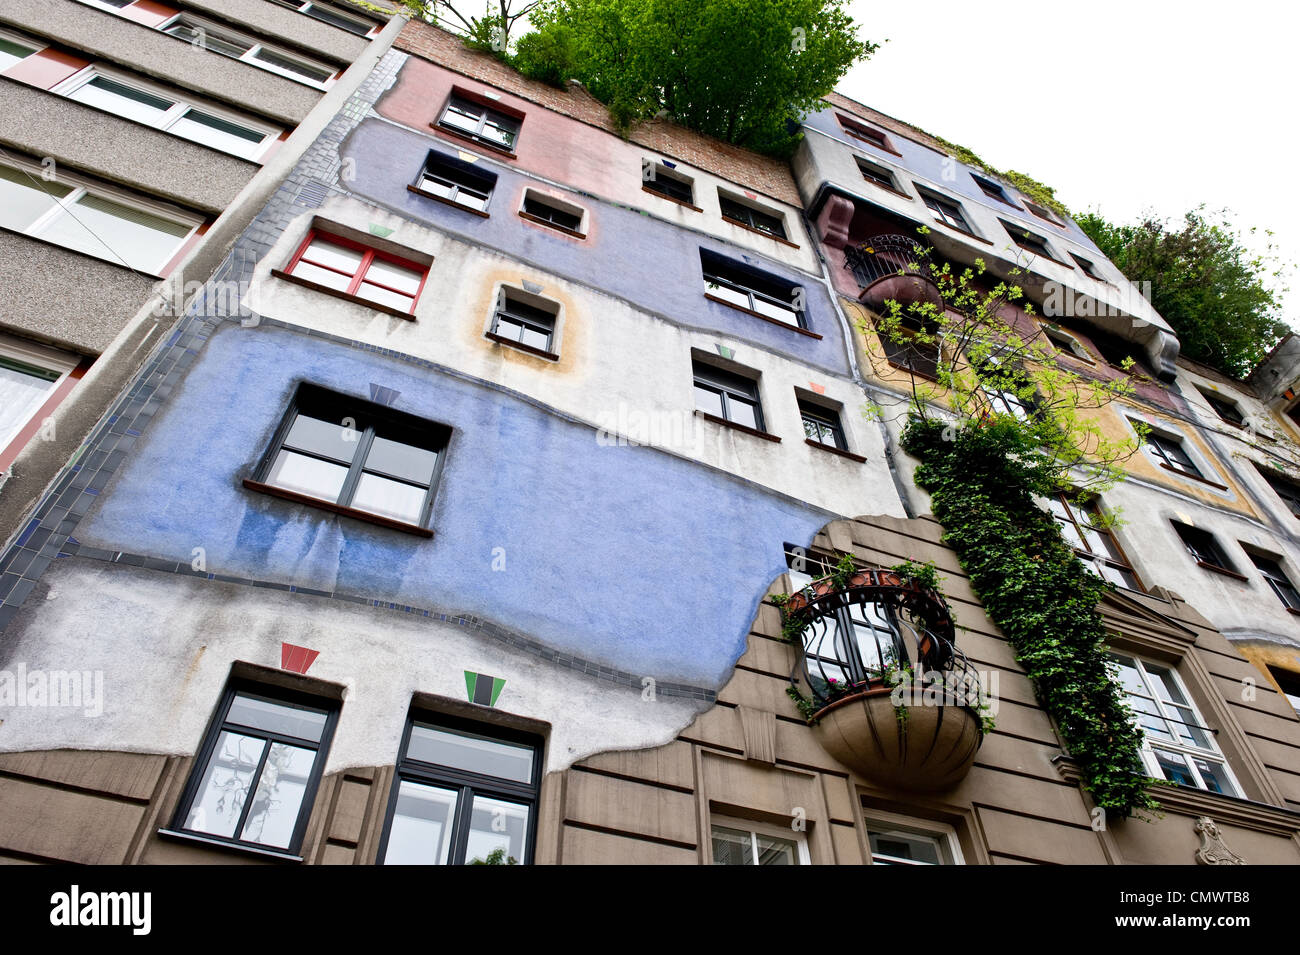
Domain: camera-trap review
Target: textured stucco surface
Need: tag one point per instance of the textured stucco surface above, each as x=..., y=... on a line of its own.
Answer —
x=64, y=297
x=90, y=140
x=165, y=645
x=307, y=33
x=98, y=33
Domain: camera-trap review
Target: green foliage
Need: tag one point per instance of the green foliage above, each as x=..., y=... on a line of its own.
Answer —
x=1215, y=294
x=1029, y=187
x=807, y=707
x=496, y=857
x=982, y=481
x=549, y=56
x=738, y=70
x=923, y=575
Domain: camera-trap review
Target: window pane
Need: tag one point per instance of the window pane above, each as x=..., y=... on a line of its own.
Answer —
x=421, y=829
x=23, y=389
x=732, y=847
x=401, y=460
x=496, y=824
x=278, y=799
x=1174, y=767
x=500, y=131
x=379, y=495
x=1215, y=777
x=708, y=401
x=117, y=232
x=25, y=197
x=282, y=62
x=381, y=296
x=324, y=252
x=11, y=53
x=274, y=717
x=773, y=851
x=901, y=848
x=330, y=279
x=395, y=276
x=461, y=118
x=225, y=786
x=778, y=311
x=309, y=476
x=438, y=187
x=337, y=19
x=535, y=338
x=742, y=412
x=218, y=133
x=324, y=438
x=123, y=100
x=728, y=294
x=469, y=751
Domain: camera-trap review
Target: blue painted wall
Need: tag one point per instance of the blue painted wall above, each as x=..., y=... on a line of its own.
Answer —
x=624, y=555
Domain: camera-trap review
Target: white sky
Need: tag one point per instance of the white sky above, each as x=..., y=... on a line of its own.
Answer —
x=1121, y=107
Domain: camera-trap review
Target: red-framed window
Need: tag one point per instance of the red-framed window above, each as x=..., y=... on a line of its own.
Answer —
x=357, y=270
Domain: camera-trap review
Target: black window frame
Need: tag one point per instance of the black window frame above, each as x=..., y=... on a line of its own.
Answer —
x=368, y=420
x=1287, y=491
x=1088, y=267
x=880, y=172
x=1062, y=340
x=512, y=306
x=744, y=214
x=910, y=355
x=682, y=189
x=824, y=419
x=1204, y=548
x=467, y=782
x=993, y=190
x=1171, y=453
x=537, y=207
x=460, y=103
x=1270, y=568
x=460, y=175
x=719, y=270
x=936, y=203
x=220, y=722
x=1030, y=241
x=731, y=386
x=1219, y=405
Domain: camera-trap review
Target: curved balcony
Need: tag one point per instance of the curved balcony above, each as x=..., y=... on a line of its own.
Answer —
x=893, y=697
x=892, y=267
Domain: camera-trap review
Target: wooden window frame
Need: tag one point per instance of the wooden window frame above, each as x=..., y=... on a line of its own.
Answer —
x=370, y=255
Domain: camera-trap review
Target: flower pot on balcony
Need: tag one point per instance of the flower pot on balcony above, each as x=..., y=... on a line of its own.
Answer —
x=929, y=748
x=906, y=290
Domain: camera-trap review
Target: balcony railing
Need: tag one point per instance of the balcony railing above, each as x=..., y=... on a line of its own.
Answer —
x=886, y=255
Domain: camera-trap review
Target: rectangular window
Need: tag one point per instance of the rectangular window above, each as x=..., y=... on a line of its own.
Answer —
x=1082, y=527
x=1029, y=241
x=482, y=124
x=208, y=36
x=550, y=211
x=1225, y=409
x=1205, y=550
x=256, y=775
x=1288, y=491
x=15, y=48
x=766, y=222
x=913, y=348
x=97, y=222
x=822, y=425
x=1177, y=746
x=945, y=210
x=1089, y=269
x=525, y=320
x=381, y=278
x=765, y=295
x=726, y=395
x=29, y=375
x=456, y=182
x=466, y=793
x=992, y=189
x=1042, y=213
x=1066, y=343
x=657, y=178
x=153, y=106
x=355, y=458
x=740, y=842
x=1289, y=684
x=877, y=174
x=330, y=15
x=868, y=134
x=1271, y=570
x=1170, y=453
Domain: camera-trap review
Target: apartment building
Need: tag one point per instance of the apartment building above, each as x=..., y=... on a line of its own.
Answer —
x=454, y=535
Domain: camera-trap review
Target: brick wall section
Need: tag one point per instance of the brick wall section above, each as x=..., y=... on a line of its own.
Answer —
x=740, y=166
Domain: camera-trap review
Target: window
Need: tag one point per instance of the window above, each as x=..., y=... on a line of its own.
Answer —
x=465, y=793
x=867, y=134
x=992, y=189
x=758, y=292
x=657, y=178
x=1170, y=454
x=330, y=15
x=822, y=425
x=15, y=49
x=878, y=174
x=917, y=351
x=208, y=36
x=1271, y=570
x=1205, y=550
x=1042, y=213
x=1083, y=529
x=946, y=211
x=256, y=774
x=1066, y=343
x=1286, y=490
x=482, y=124
x=144, y=103
x=1010, y=403
x=726, y=395
x=897, y=840
x=456, y=182
x=741, y=842
x=1089, y=269
x=1178, y=746
x=736, y=211
x=355, y=458
x=29, y=375
x=358, y=271
x=552, y=212
x=525, y=320
x=1225, y=409
x=1289, y=684
x=95, y=221
x=1029, y=241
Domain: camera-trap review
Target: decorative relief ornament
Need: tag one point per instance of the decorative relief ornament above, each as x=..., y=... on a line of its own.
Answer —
x=1212, y=850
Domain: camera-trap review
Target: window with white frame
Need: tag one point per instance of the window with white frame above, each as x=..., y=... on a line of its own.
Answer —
x=99, y=222
x=14, y=48
x=742, y=842
x=208, y=36
x=899, y=840
x=1178, y=745
x=152, y=105
x=29, y=375
x=327, y=13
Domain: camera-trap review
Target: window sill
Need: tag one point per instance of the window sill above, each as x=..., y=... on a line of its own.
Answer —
x=551, y=225
x=510, y=342
x=476, y=140
x=890, y=189
x=447, y=202
x=1194, y=477
x=242, y=849
x=1293, y=610
x=1223, y=570
x=737, y=427
x=671, y=199
x=840, y=451
x=354, y=299
x=750, y=228
x=366, y=516
x=766, y=318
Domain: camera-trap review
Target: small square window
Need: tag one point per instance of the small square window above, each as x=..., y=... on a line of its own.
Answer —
x=913, y=348
x=1087, y=266
x=1029, y=241
x=1288, y=491
x=1205, y=550
x=822, y=425
x=355, y=458
x=553, y=212
x=1225, y=409
x=1289, y=684
x=1045, y=214
x=946, y=210
x=256, y=774
x=659, y=179
x=740, y=842
x=1171, y=455
x=992, y=190
x=1065, y=342
x=465, y=794
x=899, y=840
x=769, y=223
x=357, y=271
x=455, y=182
x=490, y=127
x=761, y=293
x=525, y=321
x=728, y=396
x=868, y=134
x=1271, y=570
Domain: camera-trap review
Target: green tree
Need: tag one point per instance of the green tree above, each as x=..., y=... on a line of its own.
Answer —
x=1215, y=294
x=739, y=70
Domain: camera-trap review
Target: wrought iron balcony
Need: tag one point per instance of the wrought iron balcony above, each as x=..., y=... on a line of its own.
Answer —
x=892, y=267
